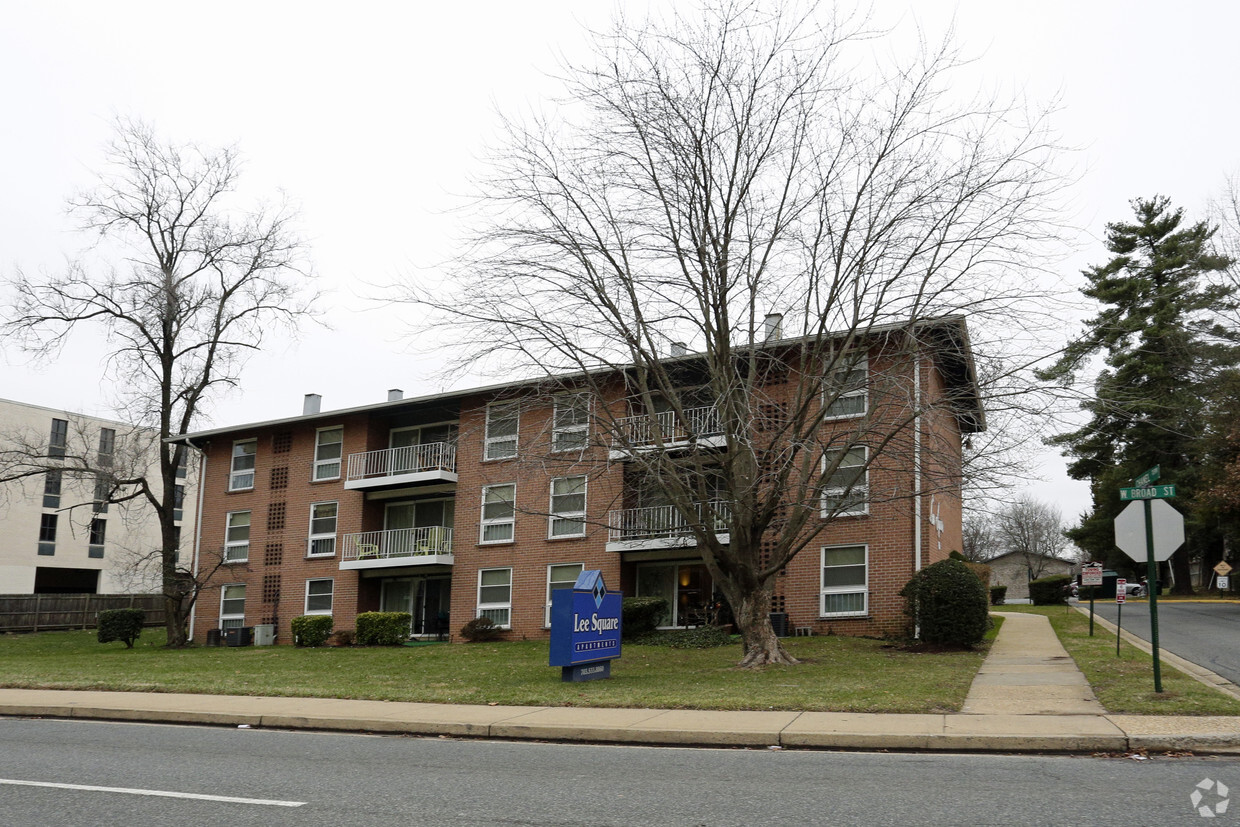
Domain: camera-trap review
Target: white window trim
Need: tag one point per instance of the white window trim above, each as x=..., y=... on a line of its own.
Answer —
x=863, y=365
x=307, y=608
x=583, y=429
x=483, y=522
x=339, y=461
x=862, y=486
x=580, y=568
x=489, y=440
x=554, y=516
x=234, y=474
x=505, y=606
x=824, y=590
x=239, y=618
x=323, y=535
x=231, y=544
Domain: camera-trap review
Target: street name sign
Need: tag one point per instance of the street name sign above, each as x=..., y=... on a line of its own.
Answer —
x=1152, y=492
x=1148, y=478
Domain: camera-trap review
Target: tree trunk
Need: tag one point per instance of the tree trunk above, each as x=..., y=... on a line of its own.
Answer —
x=1183, y=573
x=761, y=646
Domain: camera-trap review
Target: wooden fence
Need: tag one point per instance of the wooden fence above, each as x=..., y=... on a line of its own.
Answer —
x=44, y=612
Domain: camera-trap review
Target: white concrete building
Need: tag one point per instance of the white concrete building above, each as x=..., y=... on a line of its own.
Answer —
x=58, y=532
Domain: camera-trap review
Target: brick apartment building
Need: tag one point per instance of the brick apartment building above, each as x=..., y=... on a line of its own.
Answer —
x=479, y=502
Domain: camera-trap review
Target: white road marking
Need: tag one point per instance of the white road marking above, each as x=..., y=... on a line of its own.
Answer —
x=160, y=793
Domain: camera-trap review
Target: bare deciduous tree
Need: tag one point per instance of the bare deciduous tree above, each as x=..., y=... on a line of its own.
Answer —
x=1033, y=529
x=193, y=285
x=706, y=171
x=978, y=538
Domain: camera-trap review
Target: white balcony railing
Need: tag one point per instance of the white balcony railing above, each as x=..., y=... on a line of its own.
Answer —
x=647, y=430
x=397, y=543
x=663, y=522
x=409, y=459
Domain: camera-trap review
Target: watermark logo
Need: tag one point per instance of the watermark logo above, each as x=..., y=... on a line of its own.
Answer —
x=1210, y=798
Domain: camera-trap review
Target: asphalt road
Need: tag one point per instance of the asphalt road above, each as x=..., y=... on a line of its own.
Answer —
x=133, y=774
x=1208, y=634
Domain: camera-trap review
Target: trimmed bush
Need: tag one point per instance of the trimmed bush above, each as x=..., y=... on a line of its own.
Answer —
x=311, y=630
x=640, y=615
x=1048, y=591
x=949, y=604
x=480, y=629
x=121, y=624
x=701, y=637
x=383, y=628
x=997, y=595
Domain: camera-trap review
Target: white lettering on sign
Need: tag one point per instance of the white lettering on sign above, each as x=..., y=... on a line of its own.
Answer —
x=590, y=670
x=594, y=623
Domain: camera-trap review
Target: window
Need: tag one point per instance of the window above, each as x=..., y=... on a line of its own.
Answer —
x=178, y=501
x=568, y=507
x=685, y=586
x=237, y=537
x=51, y=489
x=103, y=492
x=502, y=424
x=846, y=388
x=183, y=464
x=241, y=476
x=495, y=596
x=844, y=581
x=570, y=429
x=328, y=448
x=98, y=532
x=562, y=576
x=59, y=440
x=47, y=533
x=319, y=596
x=498, y=513
x=107, y=446
x=846, y=490
x=322, y=530
x=176, y=544
x=232, y=606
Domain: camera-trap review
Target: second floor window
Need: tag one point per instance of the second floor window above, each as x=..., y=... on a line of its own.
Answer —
x=568, y=507
x=322, y=530
x=503, y=422
x=59, y=439
x=237, y=537
x=103, y=493
x=51, y=489
x=107, y=446
x=98, y=531
x=498, y=513
x=241, y=475
x=47, y=528
x=570, y=430
x=846, y=489
x=328, y=450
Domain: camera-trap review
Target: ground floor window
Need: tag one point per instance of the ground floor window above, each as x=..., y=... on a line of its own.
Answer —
x=495, y=596
x=319, y=596
x=685, y=586
x=232, y=606
x=844, y=581
x=562, y=576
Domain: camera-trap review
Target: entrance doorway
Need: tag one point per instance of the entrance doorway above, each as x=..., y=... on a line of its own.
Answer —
x=425, y=598
x=685, y=587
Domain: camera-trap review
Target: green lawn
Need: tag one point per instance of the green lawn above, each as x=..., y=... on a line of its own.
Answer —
x=1125, y=684
x=839, y=674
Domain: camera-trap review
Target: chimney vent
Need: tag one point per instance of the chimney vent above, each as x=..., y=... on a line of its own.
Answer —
x=774, y=324
x=679, y=348
x=312, y=404
x=395, y=395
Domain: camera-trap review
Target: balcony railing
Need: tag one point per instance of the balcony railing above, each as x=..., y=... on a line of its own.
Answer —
x=397, y=543
x=648, y=430
x=662, y=522
x=408, y=459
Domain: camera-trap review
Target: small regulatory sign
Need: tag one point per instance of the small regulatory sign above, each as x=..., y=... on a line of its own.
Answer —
x=1224, y=582
x=1091, y=576
x=1121, y=590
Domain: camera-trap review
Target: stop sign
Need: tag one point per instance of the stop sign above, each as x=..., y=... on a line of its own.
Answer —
x=1130, y=529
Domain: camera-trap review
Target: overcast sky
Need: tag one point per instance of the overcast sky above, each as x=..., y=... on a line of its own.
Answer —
x=372, y=117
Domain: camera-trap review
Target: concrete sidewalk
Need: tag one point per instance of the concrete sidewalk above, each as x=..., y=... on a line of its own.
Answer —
x=1028, y=697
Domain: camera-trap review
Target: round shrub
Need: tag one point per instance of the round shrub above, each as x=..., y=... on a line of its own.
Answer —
x=641, y=615
x=997, y=595
x=382, y=628
x=311, y=630
x=121, y=624
x=949, y=603
x=480, y=629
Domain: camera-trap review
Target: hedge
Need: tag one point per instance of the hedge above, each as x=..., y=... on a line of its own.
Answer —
x=121, y=624
x=1049, y=590
x=382, y=628
x=948, y=603
x=641, y=615
x=997, y=595
x=311, y=630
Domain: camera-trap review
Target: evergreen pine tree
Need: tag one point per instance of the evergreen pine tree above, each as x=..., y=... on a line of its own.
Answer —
x=1164, y=348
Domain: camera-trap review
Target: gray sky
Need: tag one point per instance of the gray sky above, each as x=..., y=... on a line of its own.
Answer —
x=372, y=117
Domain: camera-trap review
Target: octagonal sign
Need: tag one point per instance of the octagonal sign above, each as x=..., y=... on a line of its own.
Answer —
x=1130, y=530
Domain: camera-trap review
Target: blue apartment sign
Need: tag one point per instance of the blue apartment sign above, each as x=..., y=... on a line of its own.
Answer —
x=585, y=628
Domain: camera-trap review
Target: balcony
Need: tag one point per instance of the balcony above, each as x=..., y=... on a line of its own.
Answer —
x=699, y=428
x=661, y=526
x=407, y=465
x=425, y=546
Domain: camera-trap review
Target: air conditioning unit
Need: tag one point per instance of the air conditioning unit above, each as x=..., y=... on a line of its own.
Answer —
x=264, y=634
x=239, y=636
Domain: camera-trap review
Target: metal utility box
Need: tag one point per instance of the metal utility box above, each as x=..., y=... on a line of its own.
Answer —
x=264, y=634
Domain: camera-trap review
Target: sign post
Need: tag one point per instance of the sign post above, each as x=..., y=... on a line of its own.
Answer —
x=1091, y=577
x=1121, y=594
x=1151, y=530
x=585, y=629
